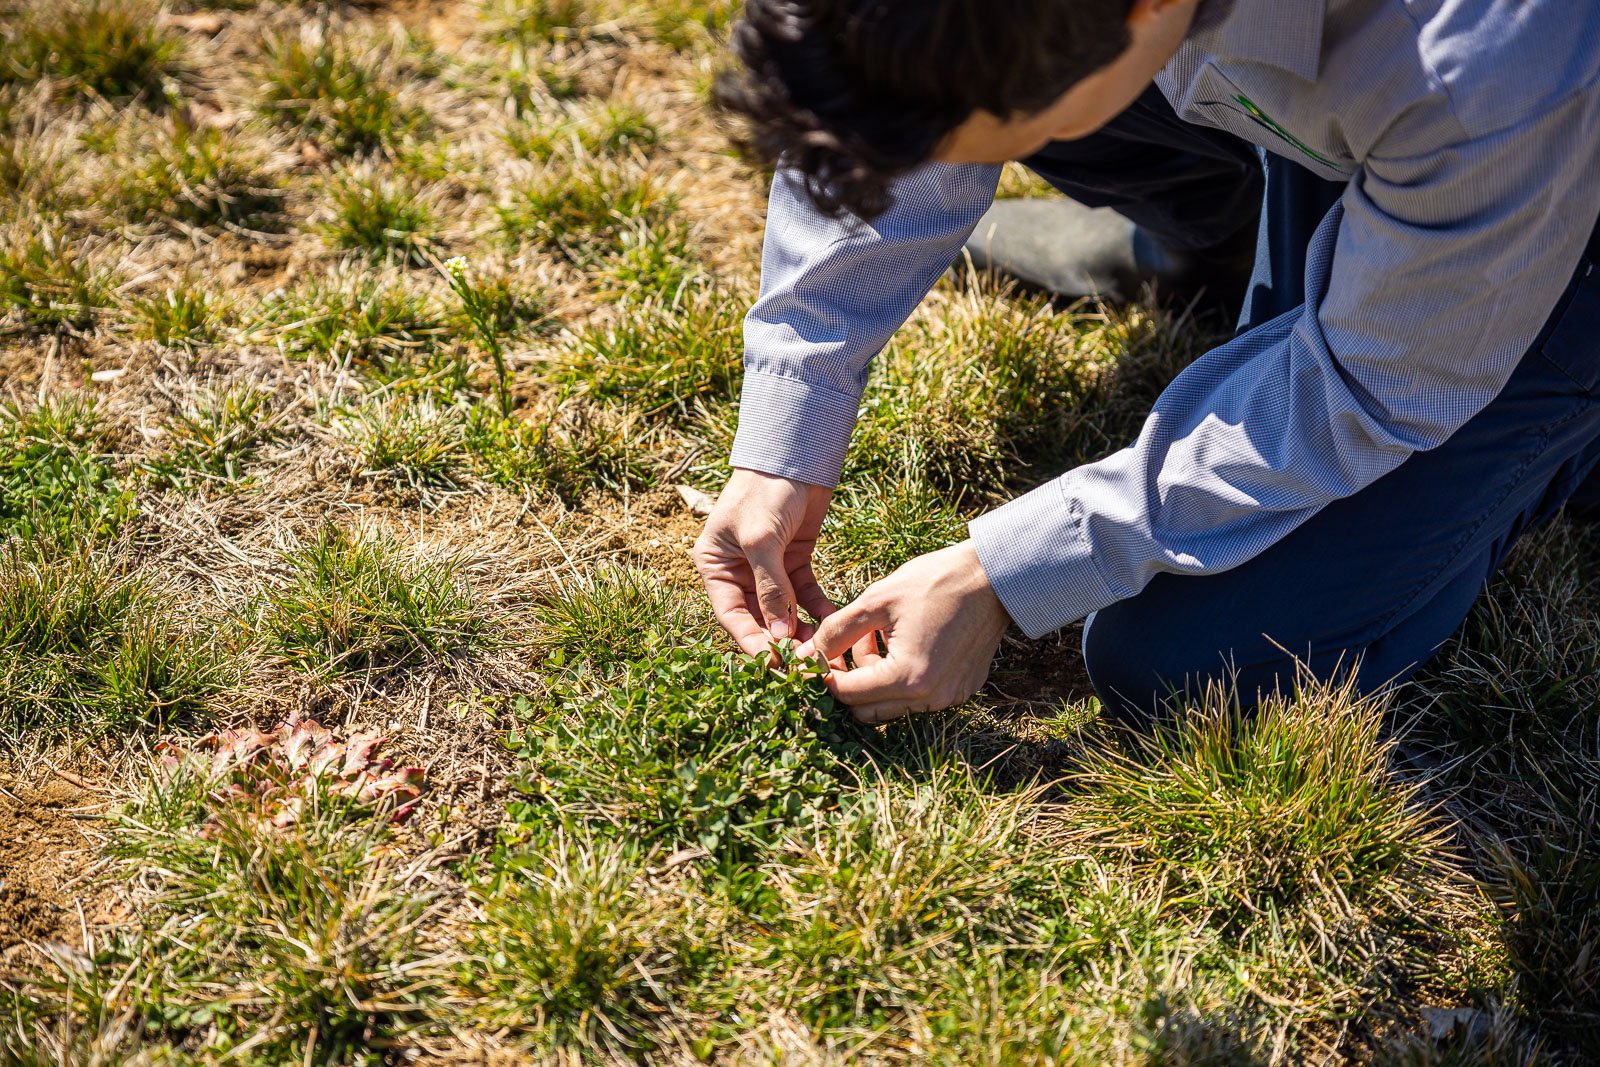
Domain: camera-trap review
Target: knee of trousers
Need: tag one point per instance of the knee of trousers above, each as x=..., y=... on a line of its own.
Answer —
x=1140, y=659
x=1135, y=663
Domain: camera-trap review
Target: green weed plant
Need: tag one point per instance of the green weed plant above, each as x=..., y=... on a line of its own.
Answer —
x=686, y=748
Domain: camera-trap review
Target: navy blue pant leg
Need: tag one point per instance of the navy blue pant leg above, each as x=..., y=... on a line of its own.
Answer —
x=1375, y=582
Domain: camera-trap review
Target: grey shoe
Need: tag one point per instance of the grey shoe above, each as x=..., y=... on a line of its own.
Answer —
x=1062, y=247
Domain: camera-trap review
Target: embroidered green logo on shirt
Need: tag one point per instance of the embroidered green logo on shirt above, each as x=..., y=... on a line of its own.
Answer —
x=1262, y=119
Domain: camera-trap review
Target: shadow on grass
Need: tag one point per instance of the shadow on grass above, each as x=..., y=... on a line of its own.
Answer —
x=1508, y=728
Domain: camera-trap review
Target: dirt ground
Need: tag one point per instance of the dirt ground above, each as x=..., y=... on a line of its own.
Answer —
x=46, y=856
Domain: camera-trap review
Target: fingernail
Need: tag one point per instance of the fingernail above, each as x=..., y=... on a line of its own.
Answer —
x=779, y=629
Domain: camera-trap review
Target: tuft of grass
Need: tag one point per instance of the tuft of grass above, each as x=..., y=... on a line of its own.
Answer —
x=865, y=911
x=201, y=177
x=608, y=128
x=1260, y=813
x=1512, y=717
x=412, y=444
x=528, y=83
x=876, y=525
x=616, y=614
x=570, y=448
x=336, y=90
x=534, y=23
x=113, y=49
x=686, y=747
x=661, y=354
x=35, y=173
x=213, y=436
x=580, y=951
x=289, y=942
x=1262, y=826
x=383, y=218
x=47, y=283
x=88, y=648
x=56, y=481
x=587, y=212
x=689, y=24
x=362, y=602
x=378, y=323
x=658, y=262
x=998, y=390
x=184, y=316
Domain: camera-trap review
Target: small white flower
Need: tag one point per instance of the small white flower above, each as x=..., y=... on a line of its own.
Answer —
x=456, y=266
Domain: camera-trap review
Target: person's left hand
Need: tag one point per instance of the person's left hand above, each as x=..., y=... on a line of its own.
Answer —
x=941, y=623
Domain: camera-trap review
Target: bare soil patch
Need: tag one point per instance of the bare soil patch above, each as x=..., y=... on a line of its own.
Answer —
x=44, y=854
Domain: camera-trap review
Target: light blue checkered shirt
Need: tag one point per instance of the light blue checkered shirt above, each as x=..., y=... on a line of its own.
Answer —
x=1469, y=131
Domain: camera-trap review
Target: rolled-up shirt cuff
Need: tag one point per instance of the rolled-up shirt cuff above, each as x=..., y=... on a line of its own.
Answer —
x=793, y=428
x=1037, y=554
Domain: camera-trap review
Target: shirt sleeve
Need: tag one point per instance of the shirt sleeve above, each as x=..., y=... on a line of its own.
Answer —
x=832, y=293
x=1425, y=286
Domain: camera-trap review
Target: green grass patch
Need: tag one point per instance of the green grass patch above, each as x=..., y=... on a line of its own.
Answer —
x=56, y=481
x=378, y=323
x=114, y=49
x=47, y=283
x=617, y=614
x=185, y=316
x=567, y=448
x=286, y=939
x=686, y=748
x=689, y=24
x=586, y=213
x=581, y=951
x=877, y=524
x=661, y=354
x=384, y=218
x=535, y=23
x=362, y=602
x=36, y=169
x=408, y=444
x=865, y=911
x=1262, y=814
x=998, y=384
x=653, y=262
x=211, y=438
x=88, y=648
x=337, y=90
x=199, y=177
x=606, y=128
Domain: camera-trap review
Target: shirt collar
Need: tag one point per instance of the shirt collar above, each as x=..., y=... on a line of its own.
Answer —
x=1281, y=33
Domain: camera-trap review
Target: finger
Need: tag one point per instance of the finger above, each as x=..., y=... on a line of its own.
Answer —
x=888, y=711
x=881, y=681
x=735, y=610
x=774, y=594
x=851, y=623
x=808, y=592
x=866, y=649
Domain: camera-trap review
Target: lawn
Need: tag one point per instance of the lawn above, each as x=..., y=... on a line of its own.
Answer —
x=359, y=703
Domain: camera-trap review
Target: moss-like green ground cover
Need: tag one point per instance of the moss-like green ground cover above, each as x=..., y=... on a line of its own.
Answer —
x=352, y=358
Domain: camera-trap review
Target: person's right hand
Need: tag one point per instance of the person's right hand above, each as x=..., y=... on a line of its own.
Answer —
x=755, y=557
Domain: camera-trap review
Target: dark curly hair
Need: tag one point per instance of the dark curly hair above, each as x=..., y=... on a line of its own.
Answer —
x=854, y=93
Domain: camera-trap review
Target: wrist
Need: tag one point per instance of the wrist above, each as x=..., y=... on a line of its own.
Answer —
x=976, y=582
